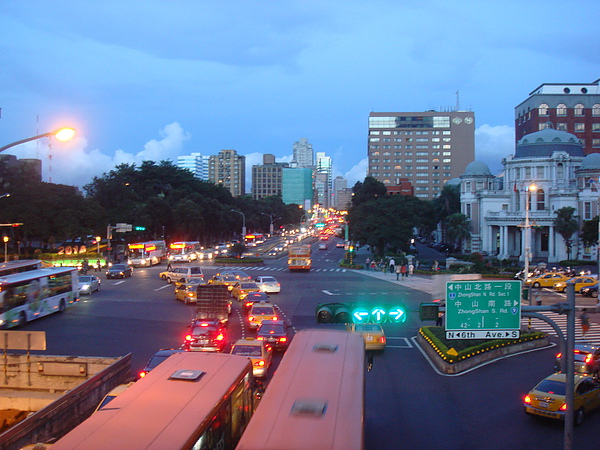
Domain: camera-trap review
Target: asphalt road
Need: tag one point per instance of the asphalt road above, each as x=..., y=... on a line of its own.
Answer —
x=408, y=404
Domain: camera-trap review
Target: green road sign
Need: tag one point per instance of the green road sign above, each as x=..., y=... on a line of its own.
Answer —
x=483, y=309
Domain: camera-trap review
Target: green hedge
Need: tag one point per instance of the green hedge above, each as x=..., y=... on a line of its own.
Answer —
x=238, y=260
x=457, y=350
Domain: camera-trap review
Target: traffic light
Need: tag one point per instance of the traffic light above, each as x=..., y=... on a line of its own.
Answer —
x=140, y=228
x=352, y=313
x=429, y=311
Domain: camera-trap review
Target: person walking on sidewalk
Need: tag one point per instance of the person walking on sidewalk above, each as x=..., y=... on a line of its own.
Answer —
x=398, y=267
x=403, y=270
x=367, y=263
x=411, y=270
x=392, y=265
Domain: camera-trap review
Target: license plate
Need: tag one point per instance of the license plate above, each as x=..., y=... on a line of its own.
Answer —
x=203, y=341
x=544, y=404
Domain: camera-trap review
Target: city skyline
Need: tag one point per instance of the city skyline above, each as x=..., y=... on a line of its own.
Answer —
x=190, y=77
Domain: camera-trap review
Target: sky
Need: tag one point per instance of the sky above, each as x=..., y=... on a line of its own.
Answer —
x=154, y=79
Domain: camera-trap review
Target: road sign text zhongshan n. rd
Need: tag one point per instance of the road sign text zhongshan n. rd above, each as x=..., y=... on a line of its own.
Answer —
x=483, y=309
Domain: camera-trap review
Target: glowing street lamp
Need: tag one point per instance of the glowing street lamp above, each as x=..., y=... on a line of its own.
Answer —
x=62, y=134
x=5, y=239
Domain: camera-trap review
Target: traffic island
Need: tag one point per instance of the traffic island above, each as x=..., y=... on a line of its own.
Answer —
x=456, y=356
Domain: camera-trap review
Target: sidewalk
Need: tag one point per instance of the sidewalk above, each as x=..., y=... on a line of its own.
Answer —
x=417, y=282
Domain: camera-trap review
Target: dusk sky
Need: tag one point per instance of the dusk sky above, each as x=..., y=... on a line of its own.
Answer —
x=151, y=80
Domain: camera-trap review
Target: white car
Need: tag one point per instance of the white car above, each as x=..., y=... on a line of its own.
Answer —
x=268, y=284
x=88, y=284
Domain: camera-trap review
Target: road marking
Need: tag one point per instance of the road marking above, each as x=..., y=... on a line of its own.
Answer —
x=407, y=343
x=329, y=293
x=119, y=282
x=161, y=288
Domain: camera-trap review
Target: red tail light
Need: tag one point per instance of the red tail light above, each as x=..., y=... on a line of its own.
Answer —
x=527, y=399
x=382, y=339
x=251, y=318
x=260, y=338
x=559, y=355
x=220, y=337
x=188, y=337
x=260, y=363
x=283, y=339
x=588, y=358
x=142, y=374
x=274, y=318
x=563, y=407
x=248, y=304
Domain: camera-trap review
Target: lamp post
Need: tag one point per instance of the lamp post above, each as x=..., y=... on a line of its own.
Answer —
x=530, y=189
x=98, y=239
x=243, y=225
x=270, y=216
x=5, y=239
x=62, y=134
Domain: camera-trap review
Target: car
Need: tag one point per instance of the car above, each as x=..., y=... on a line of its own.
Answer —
x=580, y=283
x=274, y=333
x=88, y=284
x=119, y=271
x=241, y=289
x=205, y=336
x=157, y=358
x=261, y=311
x=547, y=398
x=240, y=275
x=268, y=284
x=546, y=280
x=587, y=360
x=259, y=353
x=339, y=244
x=322, y=246
x=181, y=273
x=372, y=333
x=590, y=291
x=227, y=280
x=187, y=292
x=252, y=298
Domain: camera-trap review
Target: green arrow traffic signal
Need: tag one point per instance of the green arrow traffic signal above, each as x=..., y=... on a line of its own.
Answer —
x=397, y=314
x=378, y=315
x=360, y=315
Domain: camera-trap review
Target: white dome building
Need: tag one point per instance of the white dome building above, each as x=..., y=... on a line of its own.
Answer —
x=553, y=163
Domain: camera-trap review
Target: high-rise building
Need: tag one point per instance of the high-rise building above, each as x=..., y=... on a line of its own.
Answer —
x=339, y=184
x=570, y=107
x=267, y=178
x=324, y=182
x=426, y=148
x=303, y=154
x=297, y=186
x=196, y=163
x=228, y=169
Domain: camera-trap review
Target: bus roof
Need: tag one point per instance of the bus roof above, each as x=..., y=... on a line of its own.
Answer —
x=160, y=412
x=18, y=264
x=316, y=397
x=31, y=274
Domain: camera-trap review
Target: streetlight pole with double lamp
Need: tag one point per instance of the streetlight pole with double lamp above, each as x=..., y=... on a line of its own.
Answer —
x=243, y=225
x=270, y=216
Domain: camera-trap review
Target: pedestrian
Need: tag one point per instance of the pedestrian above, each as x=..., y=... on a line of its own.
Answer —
x=169, y=267
x=436, y=266
x=367, y=263
x=411, y=270
x=373, y=265
x=585, y=322
x=392, y=265
x=403, y=270
x=98, y=266
x=398, y=267
x=438, y=321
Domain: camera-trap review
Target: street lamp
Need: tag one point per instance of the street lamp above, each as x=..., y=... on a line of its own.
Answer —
x=5, y=239
x=98, y=239
x=530, y=189
x=272, y=220
x=4, y=195
x=62, y=134
x=243, y=225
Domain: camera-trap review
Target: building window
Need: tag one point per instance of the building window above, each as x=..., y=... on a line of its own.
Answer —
x=468, y=210
x=541, y=200
x=596, y=109
x=540, y=172
x=561, y=126
x=578, y=109
x=580, y=127
x=543, y=109
x=447, y=153
x=596, y=127
x=587, y=210
x=561, y=110
x=595, y=143
x=560, y=170
x=447, y=160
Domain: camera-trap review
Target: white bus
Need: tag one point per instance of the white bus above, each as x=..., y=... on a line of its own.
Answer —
x=184, y=251
x=33, y=294
x=146, y=254
x=18, y=266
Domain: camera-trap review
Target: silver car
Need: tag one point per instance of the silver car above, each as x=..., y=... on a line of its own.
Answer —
x=88, y=284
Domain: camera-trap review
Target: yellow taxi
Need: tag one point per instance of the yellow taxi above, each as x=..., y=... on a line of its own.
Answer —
x=372, y=333
x=580, y=282
x=547, y=399
x=227, y=280
x=241, y=289
x=259, y=352
x=260, y=311
x=546, y=280
x=187, y=292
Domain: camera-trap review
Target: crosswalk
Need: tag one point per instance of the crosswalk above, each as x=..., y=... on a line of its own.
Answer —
x=272, y=269
x=591, y=337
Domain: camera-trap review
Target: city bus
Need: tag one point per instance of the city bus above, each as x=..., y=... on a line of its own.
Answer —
x=36, y=293
x=184, y=251
x=192, y=400
x=145, y=254
x=299, y=257
x=21, y=265
x=315, y=398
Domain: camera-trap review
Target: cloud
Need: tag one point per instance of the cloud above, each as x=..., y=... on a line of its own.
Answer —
x=357, y=173
x=492, y=143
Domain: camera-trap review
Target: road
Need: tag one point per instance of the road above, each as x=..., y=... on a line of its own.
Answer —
x=408, y=404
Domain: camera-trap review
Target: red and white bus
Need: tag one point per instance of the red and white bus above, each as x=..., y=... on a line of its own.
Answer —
x=192, y=400
x=315, y=398
x=184, y=251
x=145, y=254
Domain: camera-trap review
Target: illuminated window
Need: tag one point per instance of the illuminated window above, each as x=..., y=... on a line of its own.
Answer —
x=543, y=109
x=578, y=109
x=561, y=110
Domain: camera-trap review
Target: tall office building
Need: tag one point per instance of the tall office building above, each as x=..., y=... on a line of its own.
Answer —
x=267, y=178
x=228, y=169
x=426, y=148
x=570, y=107
x=297, y=186
x=303, y=154
x=339, y=185
x=324, y=182
x=196, y=163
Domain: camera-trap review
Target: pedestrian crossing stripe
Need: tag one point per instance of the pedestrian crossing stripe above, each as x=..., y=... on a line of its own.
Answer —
x=271, y=269
x=591, y=337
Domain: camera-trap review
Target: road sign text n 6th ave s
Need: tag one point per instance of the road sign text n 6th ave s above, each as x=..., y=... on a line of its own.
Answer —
x=482, y=306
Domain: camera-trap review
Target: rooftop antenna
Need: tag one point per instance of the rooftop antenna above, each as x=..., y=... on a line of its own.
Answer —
x=457, y=101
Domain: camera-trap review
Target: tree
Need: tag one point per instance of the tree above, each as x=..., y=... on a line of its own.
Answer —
x=370, y=189
x=446, y=204
x=458, y=228
x=566, y=224
x=589, y=232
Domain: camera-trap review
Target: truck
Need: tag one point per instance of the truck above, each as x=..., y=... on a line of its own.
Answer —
x=213, y=302
x=299, y=257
